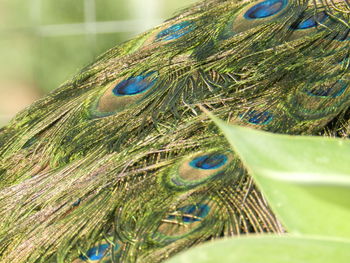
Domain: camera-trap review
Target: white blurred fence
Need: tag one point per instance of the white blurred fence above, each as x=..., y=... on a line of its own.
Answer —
x=145, y=15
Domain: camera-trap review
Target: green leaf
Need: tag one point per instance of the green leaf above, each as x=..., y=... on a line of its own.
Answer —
x=269, y=249
x=305, y=179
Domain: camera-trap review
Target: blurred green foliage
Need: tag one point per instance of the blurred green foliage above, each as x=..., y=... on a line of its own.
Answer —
x=45, y=42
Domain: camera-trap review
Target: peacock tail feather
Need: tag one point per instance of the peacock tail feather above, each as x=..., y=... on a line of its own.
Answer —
x=119, y=164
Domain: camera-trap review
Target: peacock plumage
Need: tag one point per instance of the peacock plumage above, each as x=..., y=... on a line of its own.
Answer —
x=119, y=164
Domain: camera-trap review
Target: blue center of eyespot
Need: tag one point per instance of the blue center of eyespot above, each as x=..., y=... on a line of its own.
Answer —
x=265, y=9
x=134, y=85
x=95, y=253
x=76, y=203
x=258, y=117
x=325, y=91
x=311, y=21
x=176, y=31
x=192, y=213
x=209, y=161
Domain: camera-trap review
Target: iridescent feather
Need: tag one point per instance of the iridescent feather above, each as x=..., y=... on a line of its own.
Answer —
x=120, y=165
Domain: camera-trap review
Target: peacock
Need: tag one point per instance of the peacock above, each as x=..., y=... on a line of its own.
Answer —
x=120, y=164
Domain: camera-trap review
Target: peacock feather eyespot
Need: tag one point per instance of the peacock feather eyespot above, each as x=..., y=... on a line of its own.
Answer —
x=265, y=9
x=310, y=22
x=175, y=31
x=257, y=117
x=96, y=253
x=100, y=252
x=332, y=91
x=187, y=219
x=197, y=169
x=318, y=99
x=190, y=213
x=255, y=15
x=125, y=93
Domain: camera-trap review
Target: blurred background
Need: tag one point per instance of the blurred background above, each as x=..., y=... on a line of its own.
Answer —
x=45, y=42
